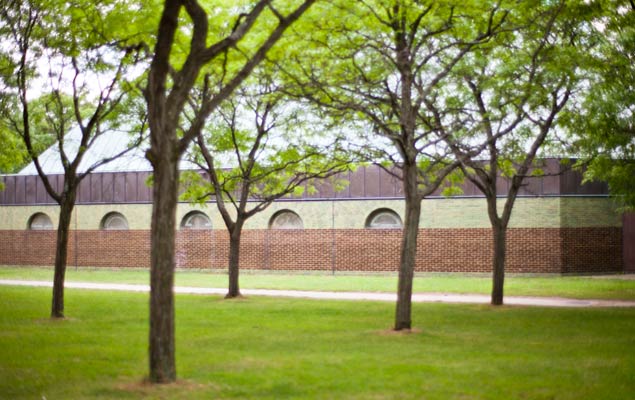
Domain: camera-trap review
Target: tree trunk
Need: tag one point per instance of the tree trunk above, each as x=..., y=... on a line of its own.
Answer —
x=61, y=255
x=499, y=233
x=164, y=191
x=408, y=249
x=234, y=261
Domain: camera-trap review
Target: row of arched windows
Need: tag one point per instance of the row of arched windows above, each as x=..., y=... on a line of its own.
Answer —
x=285, y=219
x=111, y=221
x=383, y=218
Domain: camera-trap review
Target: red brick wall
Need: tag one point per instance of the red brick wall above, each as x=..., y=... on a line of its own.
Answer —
x=195, y=248
x=587, y=250
x=27, y=247
x=628, y=242
x=110, y=249
x=93, y=248
x=530, y=250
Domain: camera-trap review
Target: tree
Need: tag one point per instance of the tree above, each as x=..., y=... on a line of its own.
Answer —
x=183, y=61
x=603, y=128
x=75, y=54
x=250, y=165
x=390, y=58
x=12, y=154
x=506, y=98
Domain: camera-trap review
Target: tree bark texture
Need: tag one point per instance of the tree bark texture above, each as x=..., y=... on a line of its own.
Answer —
x=234, y=261
x=165, y=189
x=403, y=314
x=61, y=255
x=499, y=234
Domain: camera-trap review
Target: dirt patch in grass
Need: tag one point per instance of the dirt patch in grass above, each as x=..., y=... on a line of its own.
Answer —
x=403, y=332
x=237, y=298
x=54, y=321
x=164, y=390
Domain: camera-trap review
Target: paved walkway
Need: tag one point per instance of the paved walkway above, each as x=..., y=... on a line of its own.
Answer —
x=373, y=296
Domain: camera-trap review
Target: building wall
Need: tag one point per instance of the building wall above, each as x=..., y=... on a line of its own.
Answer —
x=530, y=250
x=546, y=235
x=537, y=212
x=628, y=242
x=576, y=212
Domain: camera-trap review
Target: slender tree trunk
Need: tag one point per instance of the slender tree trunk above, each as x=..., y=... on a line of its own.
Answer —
x=166, y=178
x=408, y=249
x=234, y=259
x=61, y=255
x=499, y=233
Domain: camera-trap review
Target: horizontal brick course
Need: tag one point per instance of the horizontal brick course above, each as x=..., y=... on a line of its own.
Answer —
x=530, y=250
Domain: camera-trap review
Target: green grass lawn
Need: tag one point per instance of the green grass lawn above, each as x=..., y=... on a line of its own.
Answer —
x=562, y=286
x=264, y=348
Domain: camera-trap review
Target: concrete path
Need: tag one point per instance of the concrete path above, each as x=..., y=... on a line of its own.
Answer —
x=372, y=296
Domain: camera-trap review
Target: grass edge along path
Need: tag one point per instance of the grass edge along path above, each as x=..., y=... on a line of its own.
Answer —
x=355, y=296
x=268, y=348
x=574, y=287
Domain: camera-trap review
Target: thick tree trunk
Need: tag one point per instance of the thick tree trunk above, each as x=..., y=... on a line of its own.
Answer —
x=499, y=234
x=234, y=262
x=166, y=178
x=61, y=255
x=408, y=249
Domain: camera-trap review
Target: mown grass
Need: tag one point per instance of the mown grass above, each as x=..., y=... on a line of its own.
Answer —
x=611, y=287
x=264, y=348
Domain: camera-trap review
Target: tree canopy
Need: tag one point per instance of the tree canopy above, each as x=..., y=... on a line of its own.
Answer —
x=376, y=65
x=262, y=147
x=506, y=100
x=64, y=76
x=602, y=130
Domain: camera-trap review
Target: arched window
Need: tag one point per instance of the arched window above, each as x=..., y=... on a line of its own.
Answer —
x=196, y=220
x=40, y=222
x=286, y=219
x=114, y=221
x=383, y=218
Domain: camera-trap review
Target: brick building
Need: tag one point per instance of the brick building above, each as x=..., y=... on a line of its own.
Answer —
x=558, y=225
